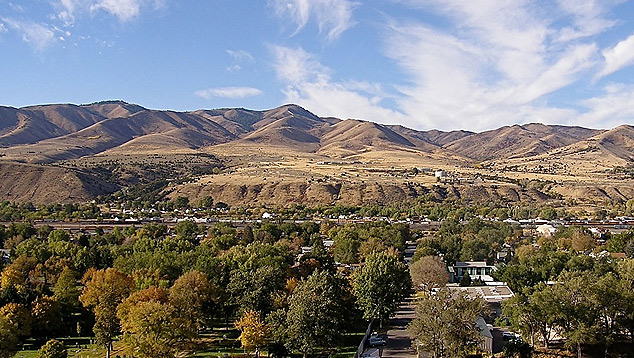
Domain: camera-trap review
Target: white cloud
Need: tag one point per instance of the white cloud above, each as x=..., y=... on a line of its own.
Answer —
x=40, y=36
x=588, y=18
x=332, y=16
x=296, y=65
x=495, y=64
x=124, y=10
x=2, y=28
x=618, y=57
x=240, y=55
x=309, y=84
x=228, y=92
x=610, y=109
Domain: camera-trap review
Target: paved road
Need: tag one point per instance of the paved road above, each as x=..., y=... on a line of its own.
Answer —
x=398, y=342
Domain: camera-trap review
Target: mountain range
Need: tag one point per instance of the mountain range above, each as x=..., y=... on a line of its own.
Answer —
x=55, y=133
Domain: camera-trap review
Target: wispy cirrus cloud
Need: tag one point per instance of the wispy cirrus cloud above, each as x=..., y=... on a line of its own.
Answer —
x=588, y=18
x=611, y=108
x=240, y=55
x=38, y=35
x=333, y=17
x=496, y=62
x=309, y=84
x=124, y=10
x=228, y=92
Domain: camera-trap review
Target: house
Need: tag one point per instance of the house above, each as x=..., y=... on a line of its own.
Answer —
x=475, y=269
x=505, y=253
x=493, y=295
x=486, y=342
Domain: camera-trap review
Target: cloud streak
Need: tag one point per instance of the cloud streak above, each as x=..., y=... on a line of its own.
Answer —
x=228, y=92
x=123, y=10
x=497, y=62
x=309, y=84
x=618, y=57
x=40, y=36
x=333, y=17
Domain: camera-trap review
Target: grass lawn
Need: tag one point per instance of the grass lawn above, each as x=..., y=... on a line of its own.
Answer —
x=218, y=343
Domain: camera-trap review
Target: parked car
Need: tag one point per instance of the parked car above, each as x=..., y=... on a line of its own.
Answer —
x=376, y=341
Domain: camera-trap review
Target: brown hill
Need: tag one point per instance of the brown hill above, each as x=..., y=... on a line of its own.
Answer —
x=183, y=130
x=354, y=135
x=32, y=124
x=46, y=184
x=435, y=137
x=518, y=141
x=289, y=126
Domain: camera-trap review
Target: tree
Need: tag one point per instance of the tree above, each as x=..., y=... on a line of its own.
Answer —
x=9, y=339
x=465, y=281
x=381, y=285
x=65, y=289
x=46, y=312
x=576, y=314
x=17, y=273
x=533, y=314
x=316, y=313
x=429, y=272
x=19, y=316
x=104, y=290
x=253, y=331
x=152, y=326
x=346, y=246
x=206, y=202
x=52, y=349
x=446, y=325
x=193, y=296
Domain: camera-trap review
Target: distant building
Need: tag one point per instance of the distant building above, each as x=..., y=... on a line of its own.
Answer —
x=546, y=230
x=475, y=269
x=440, y=174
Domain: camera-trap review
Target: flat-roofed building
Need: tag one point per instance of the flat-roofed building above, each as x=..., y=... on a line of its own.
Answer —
x=475, y=269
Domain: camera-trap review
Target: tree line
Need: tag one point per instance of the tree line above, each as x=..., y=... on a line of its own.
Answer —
x=156, y=289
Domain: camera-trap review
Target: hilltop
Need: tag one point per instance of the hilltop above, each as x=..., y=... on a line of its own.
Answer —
x=287, y=150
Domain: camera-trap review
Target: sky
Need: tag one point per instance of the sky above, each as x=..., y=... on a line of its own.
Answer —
x=424, y=64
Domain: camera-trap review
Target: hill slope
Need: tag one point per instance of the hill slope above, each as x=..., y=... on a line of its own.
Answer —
x=518, y=141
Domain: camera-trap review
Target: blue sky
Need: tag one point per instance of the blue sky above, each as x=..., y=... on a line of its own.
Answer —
x=443, y=64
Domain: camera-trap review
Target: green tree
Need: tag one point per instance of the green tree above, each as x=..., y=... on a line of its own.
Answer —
x=381, y=285
x=181, y=202
x=316, y=313
x=206, y=202
x=346, y=247
x=52, y=349
x=446, y=326
x=66, y=290
x=534, y=314
x=104, y=290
